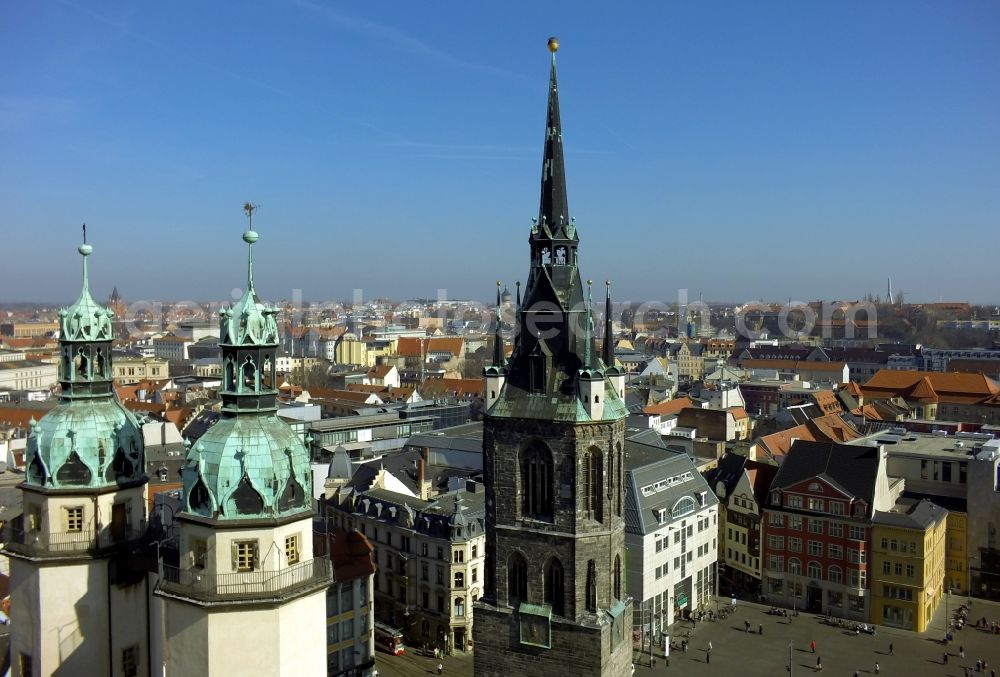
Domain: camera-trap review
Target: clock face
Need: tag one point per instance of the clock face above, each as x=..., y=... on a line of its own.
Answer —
x=535, y=630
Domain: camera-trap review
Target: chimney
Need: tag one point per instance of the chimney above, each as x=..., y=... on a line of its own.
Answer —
x=421, y=488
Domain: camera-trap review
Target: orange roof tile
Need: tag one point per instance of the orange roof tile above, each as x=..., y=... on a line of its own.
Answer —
x=952, y=388
x=459, y=387
x=668, y=407
x=410, y=346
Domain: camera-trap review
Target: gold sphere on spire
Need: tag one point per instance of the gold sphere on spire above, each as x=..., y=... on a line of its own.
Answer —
x=553, y=44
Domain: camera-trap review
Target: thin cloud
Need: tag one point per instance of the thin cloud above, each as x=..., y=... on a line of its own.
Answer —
x=389, y=35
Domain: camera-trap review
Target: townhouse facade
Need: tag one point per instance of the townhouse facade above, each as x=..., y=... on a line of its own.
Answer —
x=429, y=558
x=741, y=486
x=818, y=527
x=671, y=533
x=908, y=564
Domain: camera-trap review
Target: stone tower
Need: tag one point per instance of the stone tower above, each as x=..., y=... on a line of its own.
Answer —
x=246, y=596
x=76, y=606
x=553, y=439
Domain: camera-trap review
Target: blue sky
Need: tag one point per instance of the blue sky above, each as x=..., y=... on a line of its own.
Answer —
x=741, y=150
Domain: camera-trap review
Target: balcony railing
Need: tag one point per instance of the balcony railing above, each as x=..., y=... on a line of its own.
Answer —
x=38, y=543
x=201, y=585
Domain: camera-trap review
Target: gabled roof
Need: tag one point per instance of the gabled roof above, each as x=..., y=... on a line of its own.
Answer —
x=380, y=371
x=851, y=468
x=668, y=407
x=952, y=388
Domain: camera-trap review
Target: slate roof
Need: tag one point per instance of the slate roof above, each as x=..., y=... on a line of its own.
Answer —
x=909, y=513
x=646, y=463
x=851, y=468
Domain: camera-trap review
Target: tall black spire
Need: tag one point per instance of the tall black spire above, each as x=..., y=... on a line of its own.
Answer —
x=552, y=333
x=498, y=337
x=553, y=208
x=609, y=349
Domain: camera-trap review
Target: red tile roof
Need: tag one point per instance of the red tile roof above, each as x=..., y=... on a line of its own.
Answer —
x=668, y=407
x=408, y=346
x=350, y=553
x=930, y=386
x=459, y=387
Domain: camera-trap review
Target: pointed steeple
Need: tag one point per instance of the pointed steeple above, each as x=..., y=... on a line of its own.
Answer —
x=498, y=337
x=553, y=209
x=518, y=293
x=609, y=348
x=588, y=355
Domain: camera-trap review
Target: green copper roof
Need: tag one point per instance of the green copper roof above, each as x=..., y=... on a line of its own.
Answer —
x=248, y=467
x=249, y=322
x=514, y=402
x=250, y=464
x=85, y=319
x=85, y=443
x=89, y=440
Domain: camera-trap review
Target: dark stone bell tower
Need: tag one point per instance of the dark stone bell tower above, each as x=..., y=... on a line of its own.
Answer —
x=553, y=443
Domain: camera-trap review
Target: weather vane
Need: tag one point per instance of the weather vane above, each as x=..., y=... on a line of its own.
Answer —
x=85, y=233
x=249, y=208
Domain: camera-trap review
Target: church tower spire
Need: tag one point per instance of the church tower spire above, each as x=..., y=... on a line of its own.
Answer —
x=84, y=508
x=553, y=438
x=245, y=521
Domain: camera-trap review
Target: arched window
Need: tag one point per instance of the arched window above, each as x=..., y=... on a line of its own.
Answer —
x=230, y=384
x=835, y=574
x=618, y=482
x=536, y=482
x=475, y=551
x=82, y=363
x=517, y=579
x=99, y=364
x=682, y=507
x=554, y=591
x=794, y=566
x=459, y=607
x=814, y=571
x=249, y=375
x=618, y=577
x=597, y=480
x=591, y=586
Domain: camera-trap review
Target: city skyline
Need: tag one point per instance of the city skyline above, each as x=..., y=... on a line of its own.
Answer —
x=736, y=152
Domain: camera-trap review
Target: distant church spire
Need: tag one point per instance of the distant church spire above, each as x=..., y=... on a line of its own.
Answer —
x=498, y=337
x=609, y=349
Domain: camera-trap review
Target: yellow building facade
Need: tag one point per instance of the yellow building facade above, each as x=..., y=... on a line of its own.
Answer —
x=956, y=575
x=350, y=350
x=908, y=564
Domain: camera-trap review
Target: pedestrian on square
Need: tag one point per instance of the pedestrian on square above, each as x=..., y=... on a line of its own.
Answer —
x=710, y=645
x=819, y=662
x=746, y=625
x=961, y=651
x=760, y=628
x=708, y=656
x=945, y=658
x=876, y=667
x=891, y=653
x=440, y=668
x=812, y=646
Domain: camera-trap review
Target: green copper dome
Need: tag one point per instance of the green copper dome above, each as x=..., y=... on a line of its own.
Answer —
x=89, y=440
x=85, y=443
x=250, y=464
x=248, y=467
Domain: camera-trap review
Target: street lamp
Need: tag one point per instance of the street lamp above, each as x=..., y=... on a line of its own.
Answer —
x=791, y=643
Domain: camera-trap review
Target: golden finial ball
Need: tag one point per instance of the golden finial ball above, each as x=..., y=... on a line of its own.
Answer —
x=553, y=44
